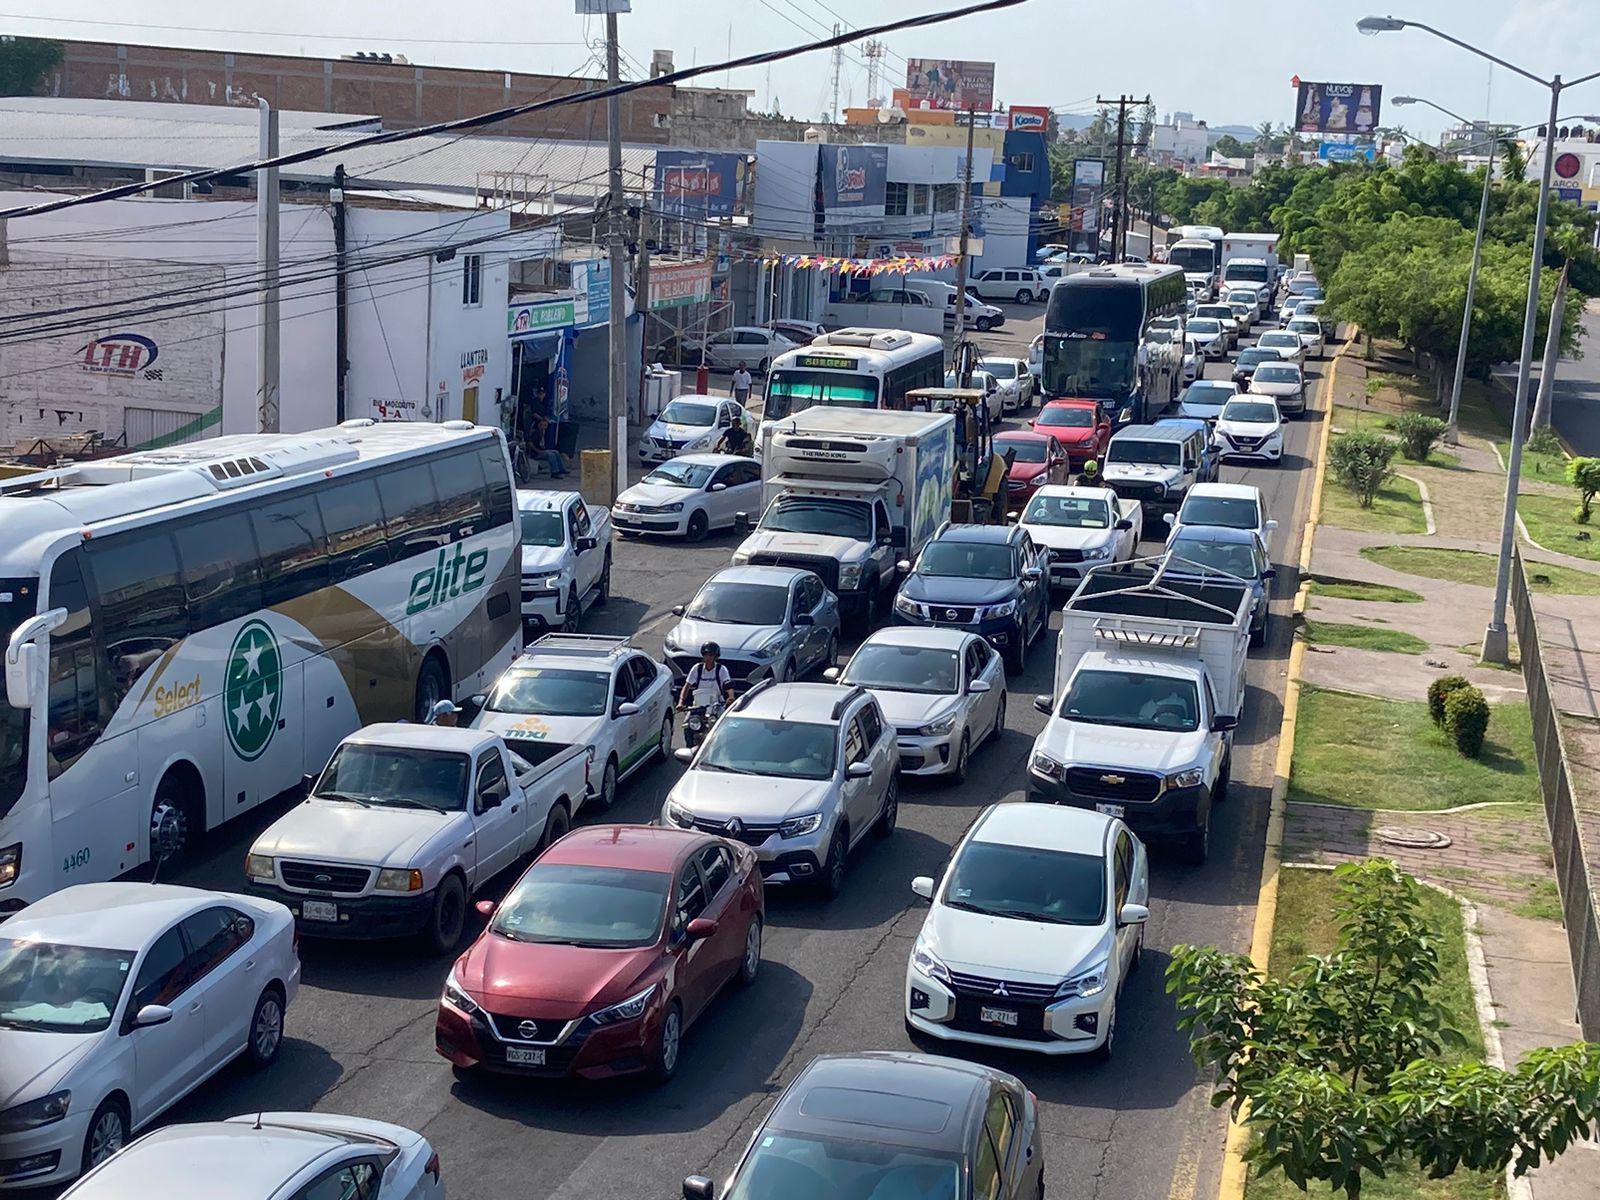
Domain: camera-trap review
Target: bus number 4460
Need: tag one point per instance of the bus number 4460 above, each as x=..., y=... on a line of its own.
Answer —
x=78, y=858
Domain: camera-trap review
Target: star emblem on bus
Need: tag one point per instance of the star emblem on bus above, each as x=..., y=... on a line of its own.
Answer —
x=254, y=689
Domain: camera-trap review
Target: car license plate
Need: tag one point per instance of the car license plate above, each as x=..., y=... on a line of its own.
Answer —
x=997, y=1016
x=1111, y=810
x=319, y=910
x=521, y=1056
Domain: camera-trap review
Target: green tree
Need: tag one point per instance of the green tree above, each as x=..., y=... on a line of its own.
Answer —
x=1343, y=1059
x=1584, y=474
x=24, y=63
x=1231, y=147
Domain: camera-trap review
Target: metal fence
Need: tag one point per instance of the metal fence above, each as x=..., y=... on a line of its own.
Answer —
x=1574, y=866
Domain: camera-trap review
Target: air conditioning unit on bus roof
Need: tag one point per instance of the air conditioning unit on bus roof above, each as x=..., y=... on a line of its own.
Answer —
x=867, y=339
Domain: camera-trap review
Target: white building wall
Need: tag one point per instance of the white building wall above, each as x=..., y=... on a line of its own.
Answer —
x=1004, y=220
x=786, y=182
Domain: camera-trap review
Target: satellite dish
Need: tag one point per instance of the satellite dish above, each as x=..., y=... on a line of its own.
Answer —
x=888, y=116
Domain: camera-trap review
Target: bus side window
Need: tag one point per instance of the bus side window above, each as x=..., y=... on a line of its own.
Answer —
x=498, y=472
x=221, y=571
x=458, y=479
x=74, y=720
x=140, y=611
x=353, y=517
x=294, y=555
x=412, y=508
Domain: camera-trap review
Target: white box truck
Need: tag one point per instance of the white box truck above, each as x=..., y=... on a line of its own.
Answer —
x=1252, y=245
x=848, y=493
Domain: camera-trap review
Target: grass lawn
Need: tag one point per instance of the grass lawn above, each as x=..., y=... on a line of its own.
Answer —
x=1470, y=566
x=1364, y=752
x=1397, y=508
x=1364, y=637
x=1305, y=926
x=1549, y=521
x=1357, y=589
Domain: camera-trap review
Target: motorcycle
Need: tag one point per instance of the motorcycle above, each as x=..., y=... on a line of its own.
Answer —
x=697, y=724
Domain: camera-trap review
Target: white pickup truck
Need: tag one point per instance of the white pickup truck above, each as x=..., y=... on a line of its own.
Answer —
x=566, y=558
x=1082, y=527
x=405, y=824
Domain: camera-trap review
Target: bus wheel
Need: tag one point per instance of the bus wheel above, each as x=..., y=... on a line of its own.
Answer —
x=173, y=826
x=433, y=685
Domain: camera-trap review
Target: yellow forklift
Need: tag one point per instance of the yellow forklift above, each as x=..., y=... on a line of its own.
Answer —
x=980, y=477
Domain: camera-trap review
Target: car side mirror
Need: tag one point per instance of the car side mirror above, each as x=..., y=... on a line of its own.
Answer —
x=1043, y=704
x=698, y=1187
x=308, y=782
x=701, y=928
x=627, y=709
x=472, y=706
x=493, y=798
x=858, y=770
x=1169, y=518
x=922, y=886
x=1271, y=525
x=1270, y=573
x=152, y=1014
x=803, y=619
x=677, y=610
x=684, y=755
x=587, y=543
x=832, y=674
x=1133, y=914
x=717, y=487
x=1223, y=722
x=903, y=566
x=485, y=908
x=1032, y=574
x=1123, y=525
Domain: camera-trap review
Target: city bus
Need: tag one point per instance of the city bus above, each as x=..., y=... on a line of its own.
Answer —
x=853, y=368
x=190, y=631
x=1095, y=331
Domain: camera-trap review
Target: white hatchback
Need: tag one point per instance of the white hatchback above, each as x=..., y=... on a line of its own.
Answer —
x=1251, y=427
x=119, y=999
x=1036, y=924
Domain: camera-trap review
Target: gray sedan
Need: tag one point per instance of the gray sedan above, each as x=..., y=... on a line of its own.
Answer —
x=770, y=622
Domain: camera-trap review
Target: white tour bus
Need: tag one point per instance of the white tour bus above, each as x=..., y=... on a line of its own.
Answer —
x=853, y=368
x=190, y=631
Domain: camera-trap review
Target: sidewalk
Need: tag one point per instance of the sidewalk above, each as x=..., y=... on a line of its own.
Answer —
x=1475, y=828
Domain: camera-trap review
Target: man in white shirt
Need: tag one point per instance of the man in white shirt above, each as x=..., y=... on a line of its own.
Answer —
x=741, y=385
x=706, y=680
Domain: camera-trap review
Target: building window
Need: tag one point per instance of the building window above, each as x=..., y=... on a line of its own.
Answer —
x=921, y=198
x=895, y=198
x=471, y=280
x=1022, y=162
x=946, y=197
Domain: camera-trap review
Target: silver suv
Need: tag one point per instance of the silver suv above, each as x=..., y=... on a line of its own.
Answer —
x=798, y=771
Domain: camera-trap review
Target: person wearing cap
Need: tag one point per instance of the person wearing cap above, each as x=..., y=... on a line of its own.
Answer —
x=445, y=714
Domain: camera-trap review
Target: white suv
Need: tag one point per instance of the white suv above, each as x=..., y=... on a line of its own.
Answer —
x=1021, y=284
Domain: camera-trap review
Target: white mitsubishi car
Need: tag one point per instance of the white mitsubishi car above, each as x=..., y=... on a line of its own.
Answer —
x=1033, y=929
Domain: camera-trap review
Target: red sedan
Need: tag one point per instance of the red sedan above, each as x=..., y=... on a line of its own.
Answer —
x=1039, y=459
x=1082, y=426
x=607, y=949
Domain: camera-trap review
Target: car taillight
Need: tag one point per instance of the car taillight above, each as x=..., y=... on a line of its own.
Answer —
x=433, y=1167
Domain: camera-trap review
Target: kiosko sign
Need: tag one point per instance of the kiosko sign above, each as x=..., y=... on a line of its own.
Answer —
x=1029, y=119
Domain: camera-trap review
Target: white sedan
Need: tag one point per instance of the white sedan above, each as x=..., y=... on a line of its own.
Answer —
x=1250, y=427
x=690, y=496
x=1015, y=382
x=302, y=1155
x=692, y=424
x=943, y=690
x=1033, y=929
x=1285, y=345
x=1211, y=335
x=752, y=345
x=1309, y=330
x=119, y=999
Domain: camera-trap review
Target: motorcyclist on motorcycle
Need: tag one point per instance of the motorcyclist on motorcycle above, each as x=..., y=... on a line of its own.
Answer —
x=706, y=680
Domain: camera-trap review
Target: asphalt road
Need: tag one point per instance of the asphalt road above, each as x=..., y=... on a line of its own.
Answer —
x=1575, y=406
x=360, y=1037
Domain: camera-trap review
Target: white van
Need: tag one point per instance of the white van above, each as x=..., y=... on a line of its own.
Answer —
x=980, y=316
x=887, y=308
x=1022, y=284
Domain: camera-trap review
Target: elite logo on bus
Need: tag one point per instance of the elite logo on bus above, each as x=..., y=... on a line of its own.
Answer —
x=447, y=579
x=254, y=693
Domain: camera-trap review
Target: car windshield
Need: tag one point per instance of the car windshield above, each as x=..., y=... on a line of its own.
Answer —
x=808, y=514
x=1065, y=416
x=1305, y=325
x=1132, y=450
x=584, y=906
x=1234, y=512
x=790, y=391
x=18, y=602
x=1254, y=358
x=966, y=560
x=762, y=746
x=688, y=412
x=547, y=692
x=1026, y=449
x=894, y=668
x=50, y=988
x=1028, y=884
x=1132, y=701
x=680, y=474
x=1210, y=393
x=981, y=380
x=1205, y=326
x=1253, y=411
x=1068, y=512
x=1235, y=558
x=1289, y=341
x=546, y=527
x=1220, y=311
x=729, y=603
x=999, y=368
x=397, y=776
x=790, y=1166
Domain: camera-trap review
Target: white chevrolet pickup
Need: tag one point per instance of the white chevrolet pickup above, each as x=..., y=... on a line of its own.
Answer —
x=405, y=824
x=566, y=559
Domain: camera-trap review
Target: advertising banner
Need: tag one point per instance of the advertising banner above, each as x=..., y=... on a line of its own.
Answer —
x=950, y=83
x=674, y=285
x=695, y=183
x=854, y=176
x=1347, y=151
x=1028, y=118
x=1088, y=186
x=525, y=320
x=591, y=286
x=1337, y=107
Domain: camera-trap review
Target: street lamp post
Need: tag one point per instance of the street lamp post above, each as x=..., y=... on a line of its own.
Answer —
x=1496, y=641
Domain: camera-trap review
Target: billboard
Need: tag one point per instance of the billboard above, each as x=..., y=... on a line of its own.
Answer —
x=1028, y=118
x=1088, y=186
x=950, y=83
x=674, y=285
x=1337, y=107
x=854, y=176
x=694, y=183
x=1347, y=151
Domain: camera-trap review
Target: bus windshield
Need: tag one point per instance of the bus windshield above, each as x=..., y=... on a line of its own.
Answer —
x=1083, y=366
x=1192, y=258
x=17, y=604
x=789, y=391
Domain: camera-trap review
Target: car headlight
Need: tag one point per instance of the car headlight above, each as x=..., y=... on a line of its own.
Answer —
x=260, y=867
x=740, y=558
x=772, y=647
x=456, y=995
x=1193, y=777
x=1004, y=609
x=547, y=583
x=670, y=508
x=937, y=728
x=1097, y=552
x=800, y=826
x=399, y=880
x=679, y=816
x=928, y=963
x=10, y=863
x=1086, y=983
x=630, y=1009
x=908, y=606
x=46, y=1110
x=1043, y=764
x=849, y=576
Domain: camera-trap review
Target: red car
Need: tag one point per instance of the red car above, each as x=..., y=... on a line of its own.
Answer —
x=1040, y=459
x=1082, y=426
x=603, y=954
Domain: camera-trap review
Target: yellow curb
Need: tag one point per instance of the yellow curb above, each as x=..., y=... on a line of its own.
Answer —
x=1314, y=513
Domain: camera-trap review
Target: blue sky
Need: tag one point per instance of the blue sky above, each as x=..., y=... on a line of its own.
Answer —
x=1227, y=61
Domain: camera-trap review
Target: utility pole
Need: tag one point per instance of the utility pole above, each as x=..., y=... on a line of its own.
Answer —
x=960, y=361
x=1552, y=354
x=838, y=66
x=616, y=252
x=1119, y=211
x=267, y=264
x=641, y=276
x=341, y=310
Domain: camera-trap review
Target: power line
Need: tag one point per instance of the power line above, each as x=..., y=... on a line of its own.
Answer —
x=494, y=116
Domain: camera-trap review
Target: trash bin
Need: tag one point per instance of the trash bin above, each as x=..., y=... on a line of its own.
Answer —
x=594, y=475
x=702, y=381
